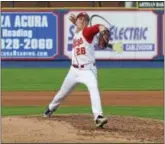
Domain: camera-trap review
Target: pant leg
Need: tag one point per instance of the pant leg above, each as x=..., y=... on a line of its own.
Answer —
x=67, y=86
x=89, y=78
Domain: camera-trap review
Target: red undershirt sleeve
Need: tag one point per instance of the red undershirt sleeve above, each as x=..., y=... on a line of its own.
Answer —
x=90, y=32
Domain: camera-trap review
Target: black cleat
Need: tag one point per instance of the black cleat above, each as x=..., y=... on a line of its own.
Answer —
x=48, y=113
x=101, y=121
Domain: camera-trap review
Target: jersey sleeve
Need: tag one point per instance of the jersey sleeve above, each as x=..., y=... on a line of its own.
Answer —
x=90, y=32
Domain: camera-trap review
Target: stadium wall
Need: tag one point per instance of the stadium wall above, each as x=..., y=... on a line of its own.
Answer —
x=48, y=43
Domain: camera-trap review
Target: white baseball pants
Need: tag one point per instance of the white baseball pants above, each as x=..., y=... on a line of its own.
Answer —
x=87, y=76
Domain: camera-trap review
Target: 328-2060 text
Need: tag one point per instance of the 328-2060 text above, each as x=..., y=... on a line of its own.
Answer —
x=26, y=44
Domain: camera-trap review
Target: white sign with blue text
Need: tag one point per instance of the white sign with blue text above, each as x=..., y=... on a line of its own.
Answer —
x=136, y=30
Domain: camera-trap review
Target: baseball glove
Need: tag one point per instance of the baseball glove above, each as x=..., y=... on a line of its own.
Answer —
x=103, y=39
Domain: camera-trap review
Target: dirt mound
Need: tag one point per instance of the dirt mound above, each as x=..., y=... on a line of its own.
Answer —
x=80, y=128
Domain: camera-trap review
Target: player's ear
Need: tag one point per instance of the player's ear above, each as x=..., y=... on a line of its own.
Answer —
x=87, y=23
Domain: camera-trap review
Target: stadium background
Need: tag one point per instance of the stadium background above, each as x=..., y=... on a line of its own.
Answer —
x=62, y=61
x=128, y=88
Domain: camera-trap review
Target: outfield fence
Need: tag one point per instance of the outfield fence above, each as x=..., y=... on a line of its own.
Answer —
x=42, y=37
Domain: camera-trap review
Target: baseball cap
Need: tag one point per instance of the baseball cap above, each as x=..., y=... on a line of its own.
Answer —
x=83, y=14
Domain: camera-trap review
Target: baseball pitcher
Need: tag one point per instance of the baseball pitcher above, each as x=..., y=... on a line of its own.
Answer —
x=83, y=69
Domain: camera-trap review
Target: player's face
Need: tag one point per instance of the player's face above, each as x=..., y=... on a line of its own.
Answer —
x=81, y=22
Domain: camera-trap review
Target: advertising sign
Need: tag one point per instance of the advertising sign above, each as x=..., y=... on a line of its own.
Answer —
x=29, y=35
x=136, y=30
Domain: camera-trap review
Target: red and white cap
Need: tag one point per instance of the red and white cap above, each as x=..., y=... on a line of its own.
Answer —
x=83, y=14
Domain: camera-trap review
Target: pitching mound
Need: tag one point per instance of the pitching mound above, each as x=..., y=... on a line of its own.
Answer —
x=80, y=128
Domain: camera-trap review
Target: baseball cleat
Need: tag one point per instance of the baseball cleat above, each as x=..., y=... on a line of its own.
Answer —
x=101, y=121
x=48, y=113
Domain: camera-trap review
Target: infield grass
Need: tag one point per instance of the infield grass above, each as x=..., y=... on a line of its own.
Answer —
x=48, y=79
x=138, y=111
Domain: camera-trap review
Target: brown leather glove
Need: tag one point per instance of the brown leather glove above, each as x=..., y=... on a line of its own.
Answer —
x=103, y=39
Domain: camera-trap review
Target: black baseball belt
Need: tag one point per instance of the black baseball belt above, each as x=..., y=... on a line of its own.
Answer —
x=81, y=66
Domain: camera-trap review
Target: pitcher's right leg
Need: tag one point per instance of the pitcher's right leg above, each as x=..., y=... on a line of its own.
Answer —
x=89, y=78
x=67, y=86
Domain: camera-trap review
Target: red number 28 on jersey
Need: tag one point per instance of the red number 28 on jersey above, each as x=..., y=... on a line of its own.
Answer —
x=81, y=51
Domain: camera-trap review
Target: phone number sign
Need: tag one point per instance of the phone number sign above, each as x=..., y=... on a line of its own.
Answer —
x=29, y=35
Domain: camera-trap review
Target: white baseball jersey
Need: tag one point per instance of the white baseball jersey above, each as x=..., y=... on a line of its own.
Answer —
x=82, y=51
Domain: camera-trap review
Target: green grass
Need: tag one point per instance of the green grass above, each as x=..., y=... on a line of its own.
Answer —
x=109, y=79
x=147, y=112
